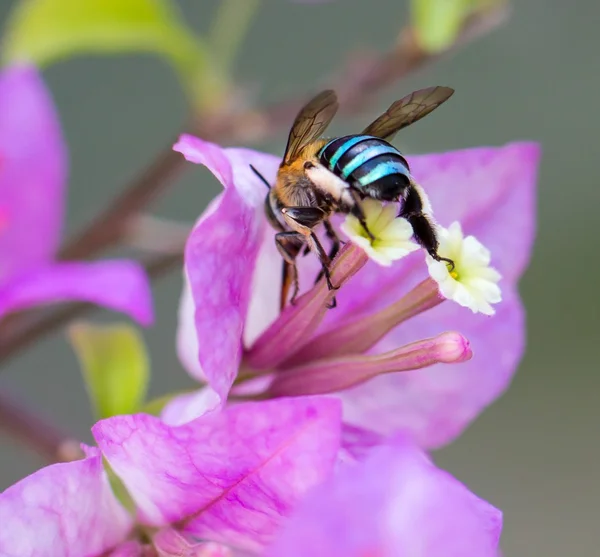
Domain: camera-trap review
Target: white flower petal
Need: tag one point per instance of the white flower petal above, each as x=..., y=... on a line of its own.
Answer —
x=393, y=235
x=471, y=283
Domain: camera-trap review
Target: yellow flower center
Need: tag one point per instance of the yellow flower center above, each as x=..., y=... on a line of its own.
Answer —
x=452, y=270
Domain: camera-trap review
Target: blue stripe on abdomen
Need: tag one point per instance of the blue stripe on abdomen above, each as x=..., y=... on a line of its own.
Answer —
x=344, y=148
x=382, y=170
x=365, y=156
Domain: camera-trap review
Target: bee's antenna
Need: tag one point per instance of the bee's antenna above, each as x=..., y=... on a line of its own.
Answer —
x=261, y=177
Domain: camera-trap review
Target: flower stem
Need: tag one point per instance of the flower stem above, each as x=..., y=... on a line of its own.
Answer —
x=36, y=432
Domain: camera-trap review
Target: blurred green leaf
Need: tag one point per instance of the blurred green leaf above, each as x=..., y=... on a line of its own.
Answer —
x=438, y=22
x=114, y=365
x=43, y=31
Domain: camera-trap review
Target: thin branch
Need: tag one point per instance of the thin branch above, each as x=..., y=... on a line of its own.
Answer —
x=36, y=432
x=365, y=76
x=110, y=226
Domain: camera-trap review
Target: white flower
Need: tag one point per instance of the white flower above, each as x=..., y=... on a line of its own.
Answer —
x=392, y=234
x=472, y=283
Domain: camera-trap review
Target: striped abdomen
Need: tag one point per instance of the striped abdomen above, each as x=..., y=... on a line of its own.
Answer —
x=369, y=164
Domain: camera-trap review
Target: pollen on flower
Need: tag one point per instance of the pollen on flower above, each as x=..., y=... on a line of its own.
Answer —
x=392, y=234
x=471, y=282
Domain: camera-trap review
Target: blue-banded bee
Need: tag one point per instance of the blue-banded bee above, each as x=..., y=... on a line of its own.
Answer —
x=319, y=177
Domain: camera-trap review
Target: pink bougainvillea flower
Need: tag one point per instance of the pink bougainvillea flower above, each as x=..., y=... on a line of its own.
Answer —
x=231, y=334
x=394, y=504
x=221, y=482
x=33, y=179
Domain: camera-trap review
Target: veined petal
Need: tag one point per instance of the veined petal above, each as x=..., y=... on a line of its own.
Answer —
x=493, y=197
x=187, y=339
x=437, y=403
x=33, y=172
x=188, y=407
x=231, y=166
x=129, y=549
x=490, y=191
x=65, y=509
x=220, y=259
x=118, y=285
x=396, y=503
x=228, y=476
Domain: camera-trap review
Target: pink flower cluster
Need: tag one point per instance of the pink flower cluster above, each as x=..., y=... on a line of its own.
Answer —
x=328, y=456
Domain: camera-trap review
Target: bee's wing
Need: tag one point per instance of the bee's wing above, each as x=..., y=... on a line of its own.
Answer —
x=407, y=111
x=310, y=123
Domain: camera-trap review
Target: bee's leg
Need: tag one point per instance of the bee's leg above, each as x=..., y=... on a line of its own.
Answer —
x=325, y=263
x=289, y=245
x=357, y=211
x=335, y=245
x=302, y=220
x=423, y=229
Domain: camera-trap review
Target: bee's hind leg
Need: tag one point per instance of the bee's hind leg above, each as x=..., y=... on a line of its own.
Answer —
x=423, y=229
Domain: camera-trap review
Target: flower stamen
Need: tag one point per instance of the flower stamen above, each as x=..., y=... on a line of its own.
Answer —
x=336, y=374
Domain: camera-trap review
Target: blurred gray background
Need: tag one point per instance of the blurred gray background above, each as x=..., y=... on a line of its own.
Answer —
x=534, y=453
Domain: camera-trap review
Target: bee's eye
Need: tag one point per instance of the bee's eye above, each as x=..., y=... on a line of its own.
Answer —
x=308, y=165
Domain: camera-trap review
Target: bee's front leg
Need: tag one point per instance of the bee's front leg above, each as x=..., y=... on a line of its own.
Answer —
x=302, y=220
x=336, y=243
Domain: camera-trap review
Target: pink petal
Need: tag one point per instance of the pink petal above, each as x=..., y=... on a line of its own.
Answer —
x=220, y=259
x=486, y=189
x=437, y=403
x=188, y=407
x=64, y=509
x=490, y=190
x=186, y=337
x=33, y=172
x=118, y=285
x=229, y=476
x=395, y=504
x=129, y=549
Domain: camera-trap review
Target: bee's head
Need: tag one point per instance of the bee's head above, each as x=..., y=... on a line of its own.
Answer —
x=272, y=209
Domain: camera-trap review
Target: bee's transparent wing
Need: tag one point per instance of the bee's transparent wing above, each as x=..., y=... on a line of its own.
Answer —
x=310, y=123
x=407, y=111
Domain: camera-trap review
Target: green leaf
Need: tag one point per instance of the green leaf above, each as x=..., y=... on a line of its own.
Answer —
x=438, y=22
x=114, y=365
x=44, y=31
